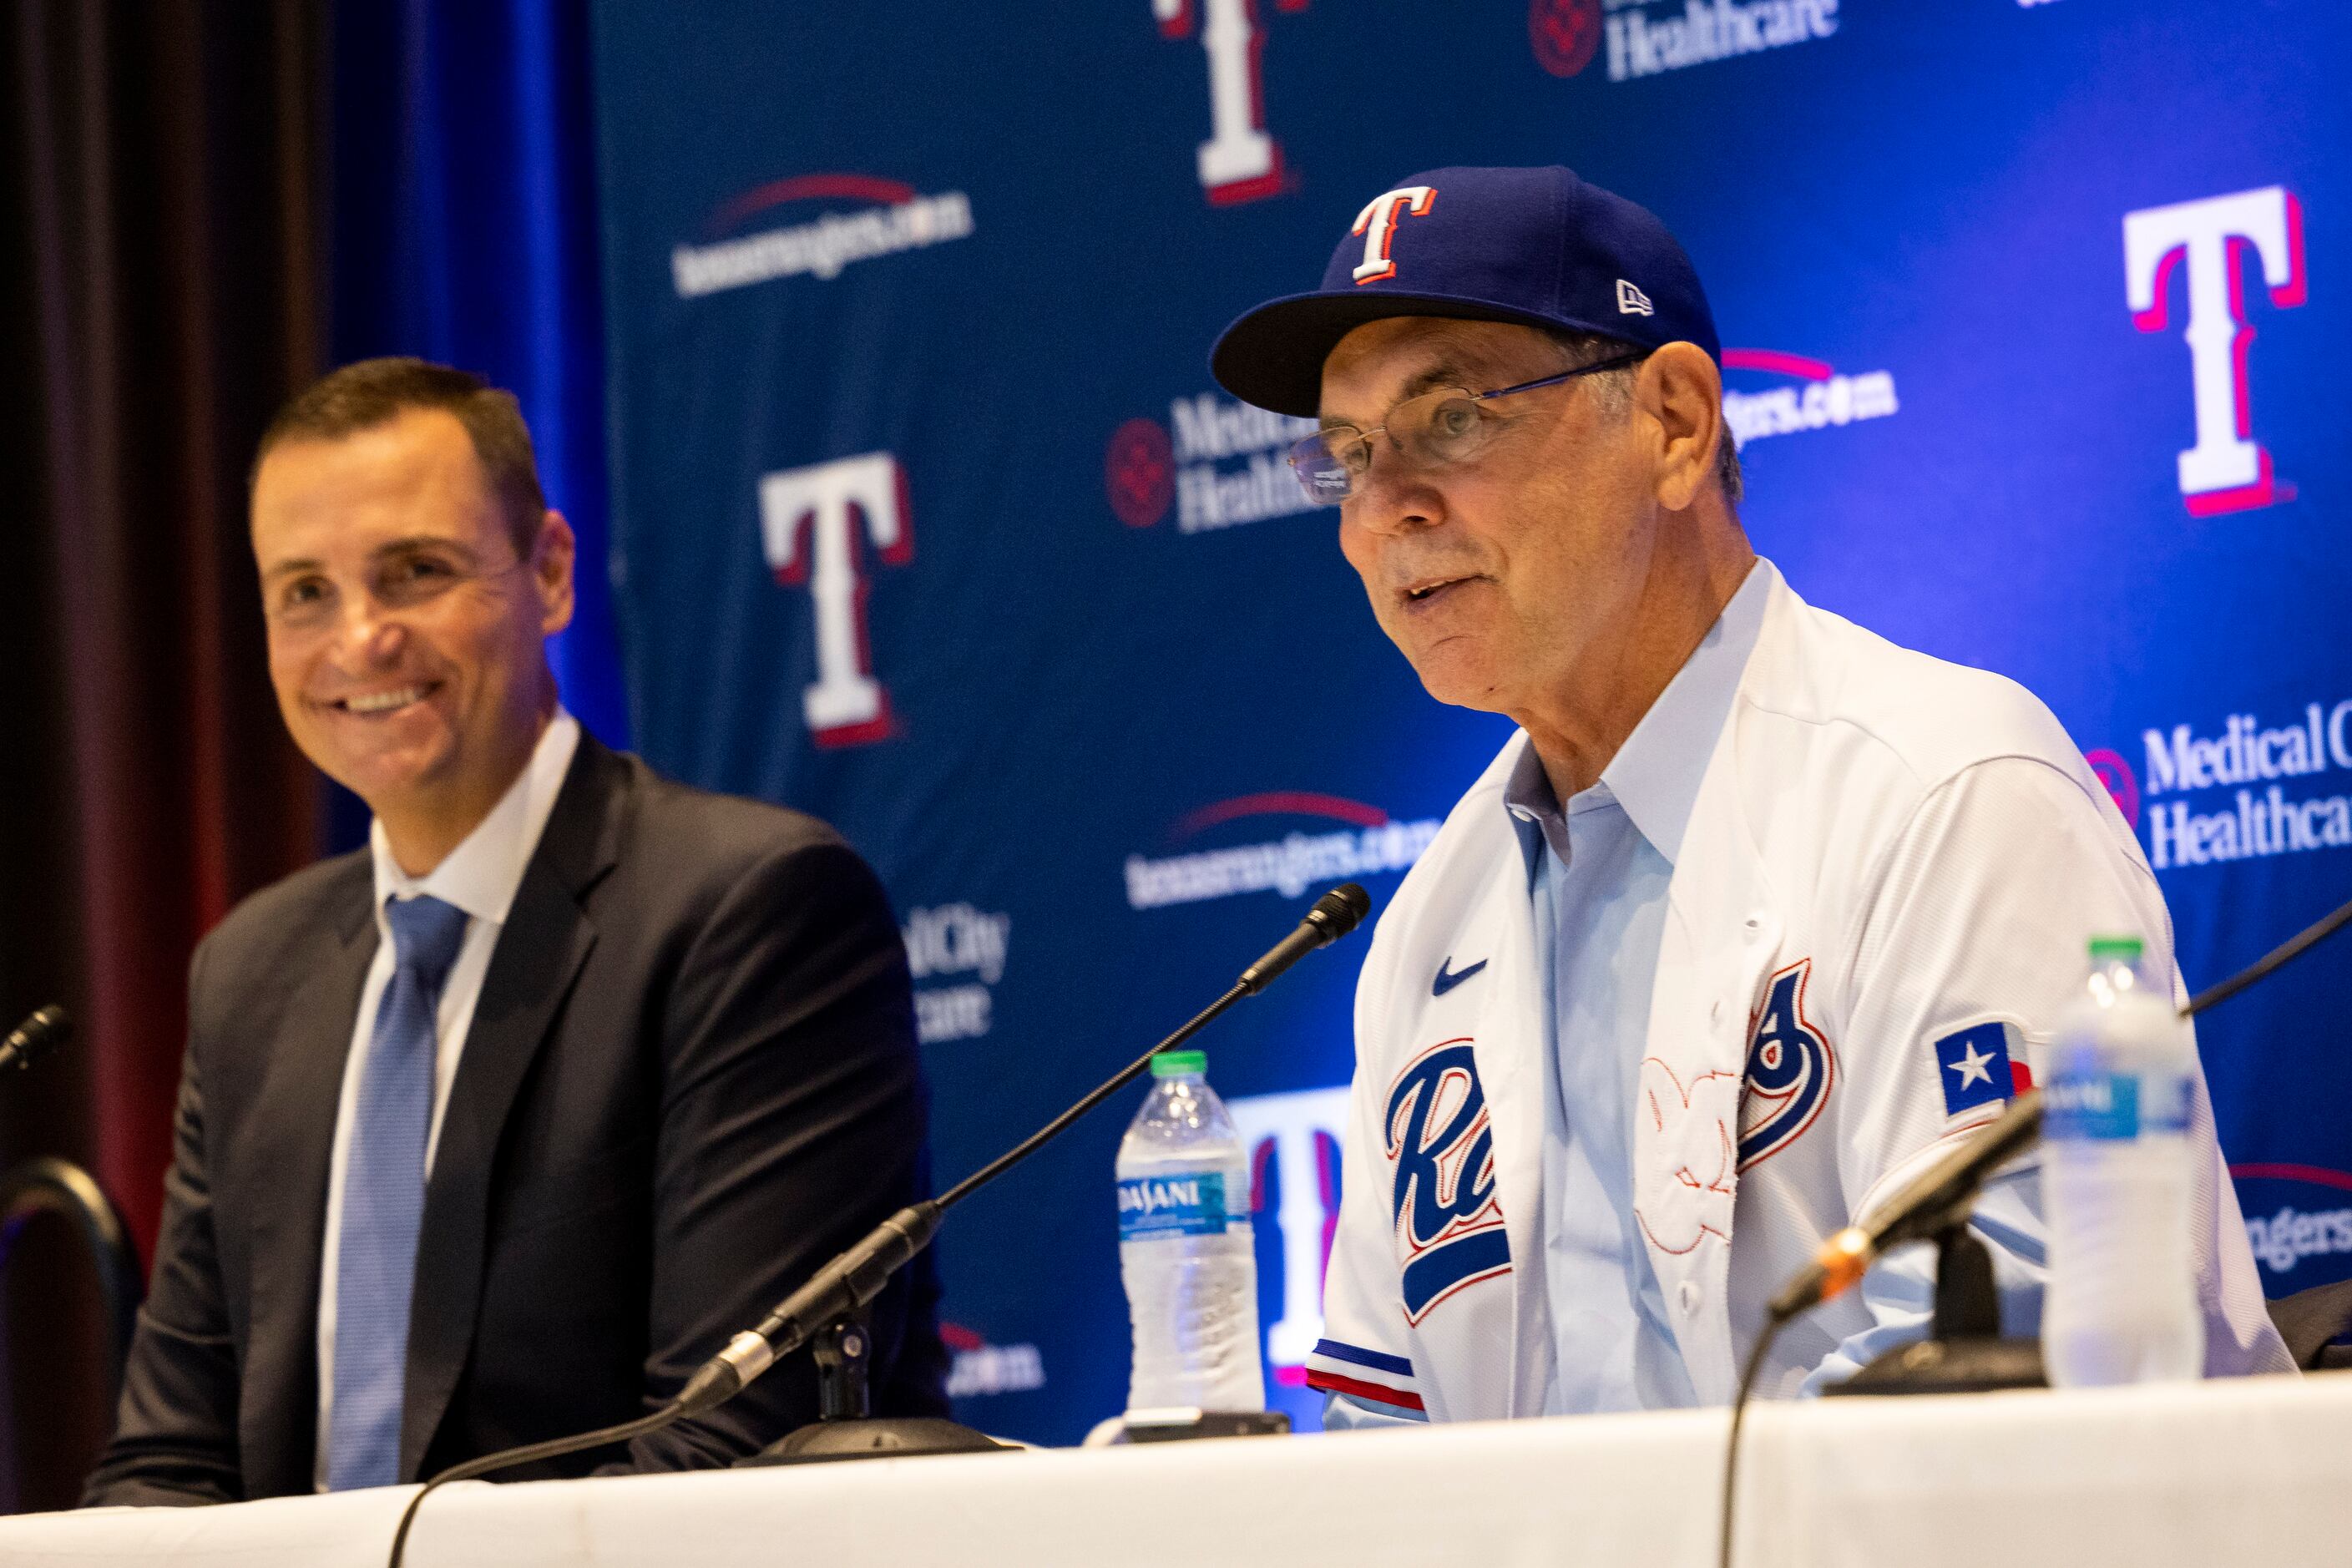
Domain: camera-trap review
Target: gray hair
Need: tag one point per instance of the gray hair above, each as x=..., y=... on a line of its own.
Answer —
x=1613, y=390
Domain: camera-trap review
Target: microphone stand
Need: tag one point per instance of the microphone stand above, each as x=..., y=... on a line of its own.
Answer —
x=1964, y=1353
x=842, y=1348
x=829, y=1309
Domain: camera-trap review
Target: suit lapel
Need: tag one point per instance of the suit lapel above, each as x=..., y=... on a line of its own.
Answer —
x=287, y=1167
x=547, y=938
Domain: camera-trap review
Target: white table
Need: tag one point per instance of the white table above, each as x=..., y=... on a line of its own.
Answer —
x=2250, y=1473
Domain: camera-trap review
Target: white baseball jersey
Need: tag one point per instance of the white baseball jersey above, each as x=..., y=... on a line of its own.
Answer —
x=1878, y=912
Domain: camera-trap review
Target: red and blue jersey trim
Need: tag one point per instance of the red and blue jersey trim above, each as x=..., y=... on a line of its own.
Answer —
x=1374, y=1376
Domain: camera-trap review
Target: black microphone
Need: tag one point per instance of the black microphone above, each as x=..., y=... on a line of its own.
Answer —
x=1936, y=1198
x=1335, y=914
x=857, y=1276
x=37, y=1036
x=1943, y=1195
x=854, y=1279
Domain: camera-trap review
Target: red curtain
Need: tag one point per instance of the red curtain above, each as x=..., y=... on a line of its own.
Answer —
x=158, y=298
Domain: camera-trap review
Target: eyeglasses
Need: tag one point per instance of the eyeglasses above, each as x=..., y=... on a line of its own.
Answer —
x=1446, y=426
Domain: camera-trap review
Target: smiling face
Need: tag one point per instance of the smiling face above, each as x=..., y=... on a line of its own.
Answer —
x=406, y=632
x=1499, y=577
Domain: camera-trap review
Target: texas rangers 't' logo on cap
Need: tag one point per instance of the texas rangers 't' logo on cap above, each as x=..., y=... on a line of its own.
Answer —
x=1377, y=223
x=1534, y=248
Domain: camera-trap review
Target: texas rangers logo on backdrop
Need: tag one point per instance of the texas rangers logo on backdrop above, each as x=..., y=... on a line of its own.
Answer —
x=1297, y=1135
x=864, y=217
x=1240, y=161
x=811, y=523
x=1449, y=1223
x=1821, y=396
x=2217, y=241
x=2298, y=1221
x=1370, y=843
x=1791, y=1069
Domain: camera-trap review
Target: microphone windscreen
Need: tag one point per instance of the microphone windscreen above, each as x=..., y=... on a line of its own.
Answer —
x=46, y=1029
x=1342, y=909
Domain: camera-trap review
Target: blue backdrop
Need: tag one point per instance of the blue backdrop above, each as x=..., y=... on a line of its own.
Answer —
x=927, y=519
x=463, y=229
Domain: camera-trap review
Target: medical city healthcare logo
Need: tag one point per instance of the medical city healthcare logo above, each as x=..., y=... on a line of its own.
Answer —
x=1644, y=37
x=1819, y=398
x=865, y=218
x=1368, y=844
x=2239, y=795
x=956, y=955
x=1224, y=466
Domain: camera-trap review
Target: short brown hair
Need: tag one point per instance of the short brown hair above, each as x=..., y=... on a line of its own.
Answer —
x=371, y=392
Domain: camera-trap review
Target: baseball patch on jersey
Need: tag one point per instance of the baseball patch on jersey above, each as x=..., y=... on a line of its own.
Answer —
x=1441, y=1144
x=1791, y=1069
x=1981, y=1064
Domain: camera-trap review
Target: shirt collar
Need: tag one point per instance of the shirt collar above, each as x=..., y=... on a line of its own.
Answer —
x=1655, y=774
x=482, y=874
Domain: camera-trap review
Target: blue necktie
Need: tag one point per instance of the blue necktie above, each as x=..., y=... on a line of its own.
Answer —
x=383, y=1199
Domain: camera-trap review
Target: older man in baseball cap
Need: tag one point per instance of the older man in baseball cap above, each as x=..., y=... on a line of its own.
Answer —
x=1755, y=914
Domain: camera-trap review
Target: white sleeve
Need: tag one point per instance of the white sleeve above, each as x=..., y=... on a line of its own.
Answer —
x=1365, y=1356
x=1346, y=1413
x=1976, y=926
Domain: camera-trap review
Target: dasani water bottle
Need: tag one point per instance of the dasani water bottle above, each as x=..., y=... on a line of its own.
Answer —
x=2117, y=1172
x=1185, y=1248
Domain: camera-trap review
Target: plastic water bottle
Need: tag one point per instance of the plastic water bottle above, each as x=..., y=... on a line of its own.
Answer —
x=2116, y=1172
x=1185, y=1248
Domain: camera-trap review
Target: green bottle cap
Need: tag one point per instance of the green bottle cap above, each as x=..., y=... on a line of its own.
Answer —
x=1179, y=1064
x=2115, y=949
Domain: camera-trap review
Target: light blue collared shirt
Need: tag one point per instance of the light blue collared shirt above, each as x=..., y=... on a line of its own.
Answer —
x=1597, y=874
x=1597, y=877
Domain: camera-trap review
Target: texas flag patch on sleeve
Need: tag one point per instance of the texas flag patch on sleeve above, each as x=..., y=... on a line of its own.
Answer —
x=1983, y=1064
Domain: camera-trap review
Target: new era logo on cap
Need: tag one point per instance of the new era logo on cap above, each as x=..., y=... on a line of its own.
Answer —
x=1534, y=248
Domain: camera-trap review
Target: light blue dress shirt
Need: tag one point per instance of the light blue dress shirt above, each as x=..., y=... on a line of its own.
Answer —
x=1597, y=872
x=1597, y=877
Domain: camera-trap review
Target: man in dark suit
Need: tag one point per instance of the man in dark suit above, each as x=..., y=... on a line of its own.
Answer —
x=494, y=1130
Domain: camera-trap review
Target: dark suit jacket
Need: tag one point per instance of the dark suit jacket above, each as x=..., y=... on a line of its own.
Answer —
x=690, y=1080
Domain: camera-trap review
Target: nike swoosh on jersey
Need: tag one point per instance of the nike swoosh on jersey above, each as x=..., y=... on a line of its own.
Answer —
x=1445, y=982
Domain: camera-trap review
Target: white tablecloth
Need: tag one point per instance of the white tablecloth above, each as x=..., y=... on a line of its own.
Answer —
x=2250, y=1473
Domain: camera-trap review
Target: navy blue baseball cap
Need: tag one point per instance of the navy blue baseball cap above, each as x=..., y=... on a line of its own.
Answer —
x=1538, y=247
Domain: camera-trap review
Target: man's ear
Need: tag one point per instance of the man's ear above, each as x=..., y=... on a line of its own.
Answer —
x=1682, y=392
x=552, y=555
